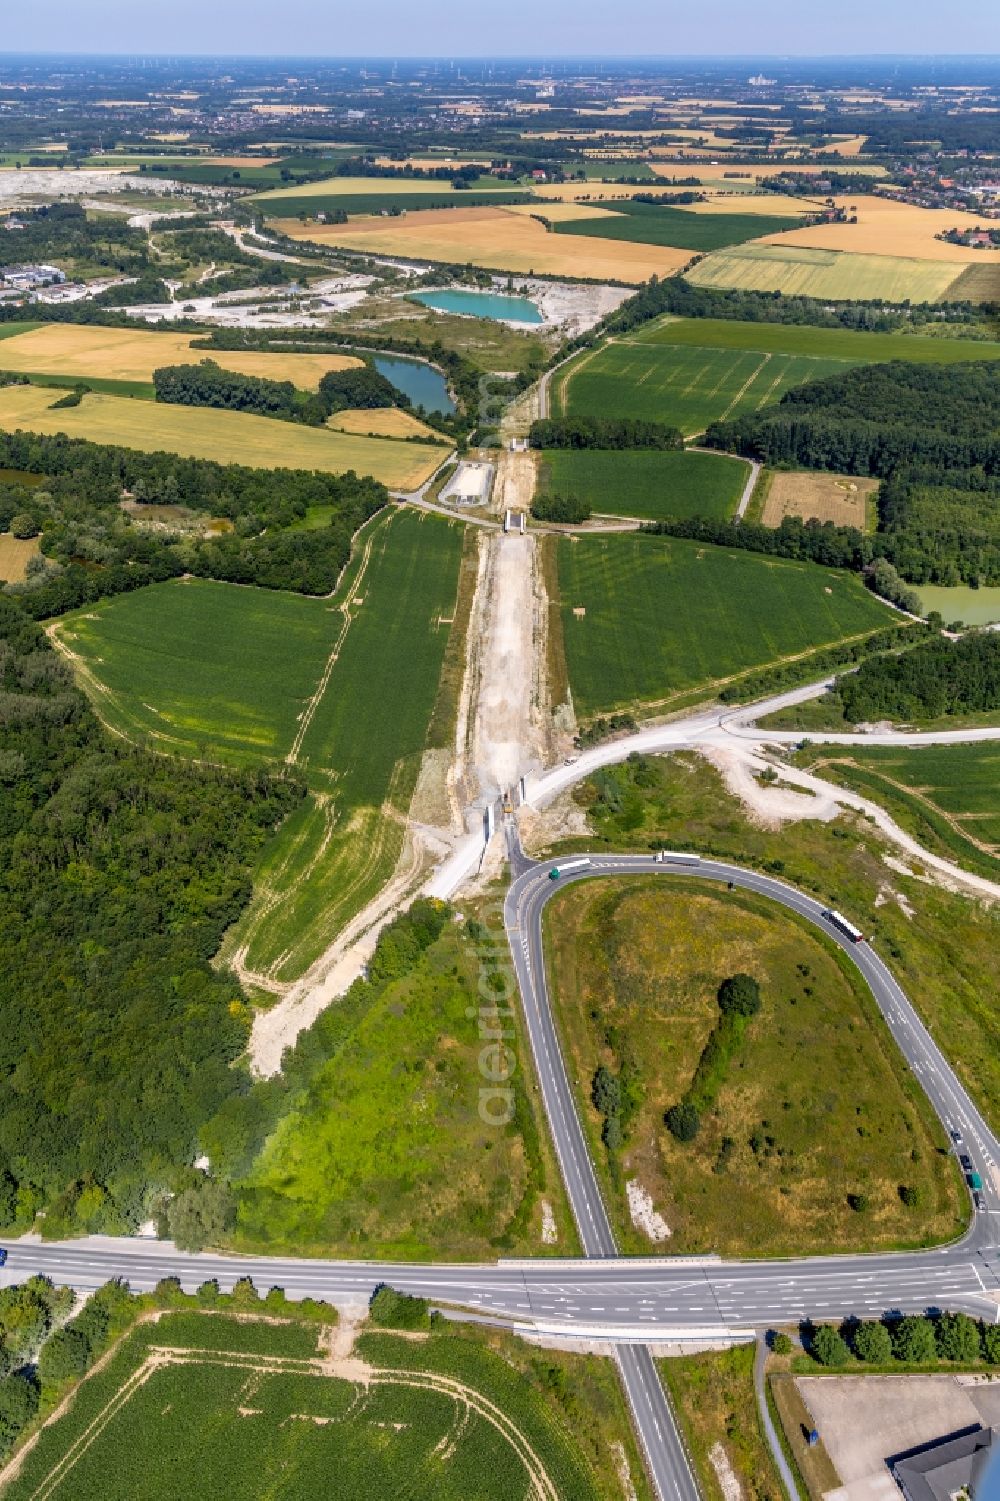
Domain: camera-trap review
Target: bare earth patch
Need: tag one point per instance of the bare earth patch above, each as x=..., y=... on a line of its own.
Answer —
x=725, y=1474
x=15, y=555
x=643, y=1215
x=840, y=498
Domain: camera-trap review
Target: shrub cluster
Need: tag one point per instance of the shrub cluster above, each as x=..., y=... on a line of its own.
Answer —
x=739, y=1001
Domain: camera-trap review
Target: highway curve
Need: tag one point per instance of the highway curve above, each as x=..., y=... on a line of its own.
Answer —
x=743, y=1299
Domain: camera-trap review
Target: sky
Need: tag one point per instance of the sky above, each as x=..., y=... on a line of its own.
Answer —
x=519, y=28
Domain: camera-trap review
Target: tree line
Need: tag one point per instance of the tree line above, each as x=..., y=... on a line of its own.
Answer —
x=602, y=432
x=915, y=1339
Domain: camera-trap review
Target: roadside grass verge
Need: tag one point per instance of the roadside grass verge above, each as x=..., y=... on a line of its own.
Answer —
x=385, y=1154
x=646, y=618
x=816, y=1106
x=713, y=1396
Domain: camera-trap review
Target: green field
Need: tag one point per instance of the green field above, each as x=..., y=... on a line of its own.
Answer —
x=386, y=1154
x=240, y=674
x=646, y=482
x=947, y=796
x=820, y=343
x=204, y=1405
x=685, y=387
x=635, y=969
x=655, y=224
x=661, y=616
x=799, y=271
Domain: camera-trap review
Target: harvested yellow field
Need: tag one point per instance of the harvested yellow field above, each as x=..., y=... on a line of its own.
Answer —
x=15, y=555
x=226, y=437
x=713, y=171
x=496, y=240
x=848, y=146
x=784, y=205
x=335, y=187
x=563, y=191
x=134, y=353
x=840, y=498
x=797, y=270
x=558, y=210
x=886, y=227
x=383, y=422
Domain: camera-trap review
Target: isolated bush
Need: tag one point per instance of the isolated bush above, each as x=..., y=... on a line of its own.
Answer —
x=780, y=1342
x=201, y=1215
x=66, y=1354
x=859, y=1202
x=909, y=1195
x=18, y=1405
x=683, y=1121
x=739, y=996
x=390, y=1309
x=23, y=526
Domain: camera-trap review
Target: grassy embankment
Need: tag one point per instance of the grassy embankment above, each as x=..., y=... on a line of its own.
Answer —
x=815, y=1105
x=713, y=1395
x=948, y=797
x=944, y=949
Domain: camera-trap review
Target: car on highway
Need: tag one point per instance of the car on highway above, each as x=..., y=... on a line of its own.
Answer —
x=958, y=1138
x=966, y=1162
x=979, y=1201
x=3, y=1256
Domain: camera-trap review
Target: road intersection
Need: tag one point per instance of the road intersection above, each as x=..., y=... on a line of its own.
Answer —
x=629, y=1302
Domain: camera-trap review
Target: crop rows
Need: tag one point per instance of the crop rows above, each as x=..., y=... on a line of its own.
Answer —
x=648, y=617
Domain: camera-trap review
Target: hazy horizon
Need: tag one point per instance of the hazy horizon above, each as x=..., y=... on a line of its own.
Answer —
x=640, y=29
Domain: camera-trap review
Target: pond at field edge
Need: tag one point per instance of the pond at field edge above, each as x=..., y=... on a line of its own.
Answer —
x=482, y=305
x=425, y=386
x=959, y=602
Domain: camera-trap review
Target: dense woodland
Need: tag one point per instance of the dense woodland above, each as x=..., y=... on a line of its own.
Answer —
x=934, y=443
x=60, y=232
x=208, y=385
x=119, y=872
x=936, y=678
x=602, y=432
x=91, y=548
